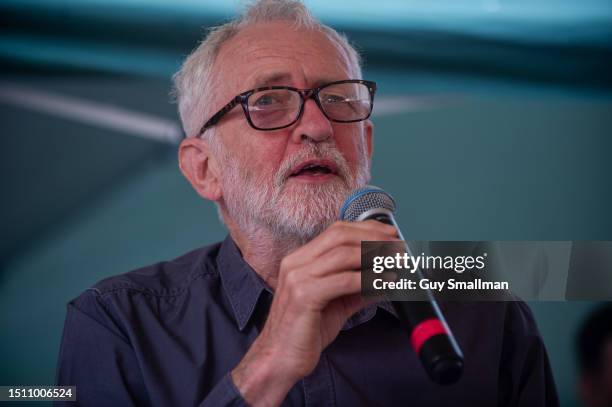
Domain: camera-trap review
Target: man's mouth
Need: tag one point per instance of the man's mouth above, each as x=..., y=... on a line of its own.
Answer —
x=315, y=168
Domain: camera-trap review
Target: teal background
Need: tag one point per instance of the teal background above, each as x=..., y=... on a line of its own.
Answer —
x=500, y=130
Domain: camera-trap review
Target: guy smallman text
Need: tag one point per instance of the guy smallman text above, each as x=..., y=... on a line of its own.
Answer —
x=388, y=267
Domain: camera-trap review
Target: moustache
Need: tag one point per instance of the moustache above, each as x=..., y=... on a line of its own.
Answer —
x=313, y=152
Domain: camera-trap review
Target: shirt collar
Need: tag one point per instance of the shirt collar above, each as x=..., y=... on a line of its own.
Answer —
x=367, y=313
x=243, y=288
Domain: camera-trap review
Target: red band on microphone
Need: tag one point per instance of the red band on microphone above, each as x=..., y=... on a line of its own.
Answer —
x=425, y=330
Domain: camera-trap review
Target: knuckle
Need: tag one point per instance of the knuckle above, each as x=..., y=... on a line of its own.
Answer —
x=332, y=234
x=340, y=231
x=292, y=279
x=285, y=264
x=299, y=294
x=338, y=223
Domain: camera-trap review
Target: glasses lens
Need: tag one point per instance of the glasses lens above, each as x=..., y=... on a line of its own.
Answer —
x=346, y=101
x=273, y=108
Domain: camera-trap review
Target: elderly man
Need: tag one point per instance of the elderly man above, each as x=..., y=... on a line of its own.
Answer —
x=277, y=118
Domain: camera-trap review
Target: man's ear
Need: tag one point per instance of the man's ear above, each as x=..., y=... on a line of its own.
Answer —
x=199, y=167
x=369, y=134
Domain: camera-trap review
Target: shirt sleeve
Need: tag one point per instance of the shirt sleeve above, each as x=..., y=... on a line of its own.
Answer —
x=98, y=359
x=96, y=356
x=526, y=378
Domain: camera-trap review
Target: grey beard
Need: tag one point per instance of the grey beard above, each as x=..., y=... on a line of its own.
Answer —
x=297, y=212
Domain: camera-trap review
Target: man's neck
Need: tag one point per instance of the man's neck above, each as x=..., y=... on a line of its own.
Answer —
x=263, y=251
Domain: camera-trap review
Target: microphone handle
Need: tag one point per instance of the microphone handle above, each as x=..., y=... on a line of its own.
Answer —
x=430, y=336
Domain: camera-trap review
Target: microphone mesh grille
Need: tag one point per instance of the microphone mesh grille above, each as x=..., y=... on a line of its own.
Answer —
x=364, y=199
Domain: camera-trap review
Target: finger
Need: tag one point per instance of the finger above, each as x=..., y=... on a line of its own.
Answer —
x=340, y=234
x=334, y=286
x=338, y=259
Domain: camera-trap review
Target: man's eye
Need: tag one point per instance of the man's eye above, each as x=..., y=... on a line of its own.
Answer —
x=330, y=98
x=267, y=100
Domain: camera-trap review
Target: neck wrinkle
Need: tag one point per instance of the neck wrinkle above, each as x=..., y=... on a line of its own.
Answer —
x=262, y=249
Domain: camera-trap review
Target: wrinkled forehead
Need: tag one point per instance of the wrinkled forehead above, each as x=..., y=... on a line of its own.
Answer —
x=277, y=53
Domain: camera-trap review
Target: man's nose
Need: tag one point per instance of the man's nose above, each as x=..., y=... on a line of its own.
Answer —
x=313, y=125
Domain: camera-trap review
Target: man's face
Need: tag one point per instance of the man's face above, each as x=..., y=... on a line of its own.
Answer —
x=259, y=182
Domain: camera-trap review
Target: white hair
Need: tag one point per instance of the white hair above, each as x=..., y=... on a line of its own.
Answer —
x=192, y=83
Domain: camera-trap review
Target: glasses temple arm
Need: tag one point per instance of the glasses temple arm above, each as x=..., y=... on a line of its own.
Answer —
x=217, y=116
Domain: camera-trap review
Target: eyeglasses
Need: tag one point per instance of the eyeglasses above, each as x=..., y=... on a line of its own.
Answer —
x=277, y=107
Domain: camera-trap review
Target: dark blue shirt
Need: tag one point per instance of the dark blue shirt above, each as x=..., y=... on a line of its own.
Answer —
x=169, y=335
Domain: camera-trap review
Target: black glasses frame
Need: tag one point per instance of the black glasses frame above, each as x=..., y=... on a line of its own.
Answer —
x=305, y=94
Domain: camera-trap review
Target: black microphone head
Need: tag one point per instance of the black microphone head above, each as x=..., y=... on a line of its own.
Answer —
x=364, y=199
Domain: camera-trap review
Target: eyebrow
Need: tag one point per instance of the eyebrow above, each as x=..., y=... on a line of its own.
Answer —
x=282, y=78
x=271, y=78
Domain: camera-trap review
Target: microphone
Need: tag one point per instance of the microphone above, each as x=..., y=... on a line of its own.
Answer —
x=430, y=336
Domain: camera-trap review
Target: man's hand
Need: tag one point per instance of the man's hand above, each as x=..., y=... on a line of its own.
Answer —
x=318, y=290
